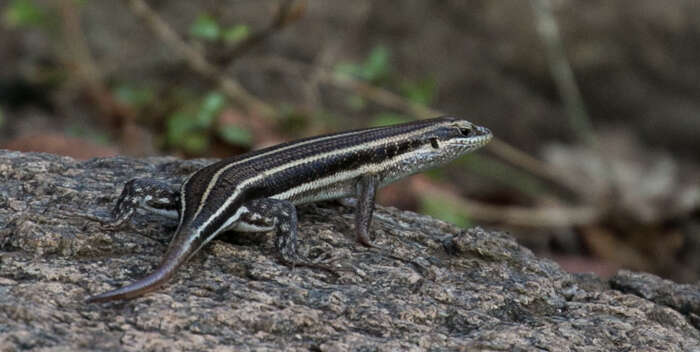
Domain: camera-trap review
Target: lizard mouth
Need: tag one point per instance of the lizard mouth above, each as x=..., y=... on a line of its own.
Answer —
x=475, y=137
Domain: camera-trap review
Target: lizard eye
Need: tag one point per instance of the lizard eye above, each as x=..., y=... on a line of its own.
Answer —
x=467, y=132
x=434, y=143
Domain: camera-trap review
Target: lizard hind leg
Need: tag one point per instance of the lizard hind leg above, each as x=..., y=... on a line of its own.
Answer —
x=276, y=215
x=280, y=216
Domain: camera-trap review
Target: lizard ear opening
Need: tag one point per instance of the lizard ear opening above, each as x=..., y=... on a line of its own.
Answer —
x=434, y=143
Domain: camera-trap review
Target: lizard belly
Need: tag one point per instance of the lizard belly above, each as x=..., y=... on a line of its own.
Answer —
x=332, y=191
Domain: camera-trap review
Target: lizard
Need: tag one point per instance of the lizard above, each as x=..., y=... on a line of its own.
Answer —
x=257, y=191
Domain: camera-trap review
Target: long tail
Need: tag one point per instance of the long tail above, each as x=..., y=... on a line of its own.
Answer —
x=178, y=253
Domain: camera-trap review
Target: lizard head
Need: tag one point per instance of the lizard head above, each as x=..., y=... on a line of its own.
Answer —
x=450, y=138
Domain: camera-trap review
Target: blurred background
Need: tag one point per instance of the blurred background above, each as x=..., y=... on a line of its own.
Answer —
x=595, y=104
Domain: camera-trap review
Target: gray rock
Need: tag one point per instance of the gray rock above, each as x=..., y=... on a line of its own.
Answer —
x=431, y=286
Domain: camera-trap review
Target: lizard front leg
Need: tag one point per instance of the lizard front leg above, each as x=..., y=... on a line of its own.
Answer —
x=365, y=191
x=150, y=195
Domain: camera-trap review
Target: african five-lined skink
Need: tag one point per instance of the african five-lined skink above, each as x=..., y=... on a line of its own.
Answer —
x=257, y=191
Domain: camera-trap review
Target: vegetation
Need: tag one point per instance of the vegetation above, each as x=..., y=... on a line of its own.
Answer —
x=200, y=80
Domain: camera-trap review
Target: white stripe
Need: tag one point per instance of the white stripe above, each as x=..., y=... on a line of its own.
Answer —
x=235, y=194
x=271, y=172
x=341, y=176
x=228, y=223
x=182, y=202
x=337, y=177
x=215, y=178
x=350, y=174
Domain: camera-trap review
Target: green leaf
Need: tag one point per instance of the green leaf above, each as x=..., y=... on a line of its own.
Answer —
x=347, y=69
x=236, y=33
x=438, y=208
x=205, y=27
x=23, y=13
x=179, y=125
x=377, y=64
x=209, y=109
x=133, y=95
x=213, y=102
x=375, y=68
x=419, y=91
x=195, y=142
x=185, y=132
x=388, y=118
x=190, y=128
x=233, y=134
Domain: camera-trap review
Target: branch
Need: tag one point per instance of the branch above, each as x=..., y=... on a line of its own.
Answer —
x=561, y=71
x=557, y=216
x=288, y=12
x=497, y=146
x=87, y=70
x=198, y=62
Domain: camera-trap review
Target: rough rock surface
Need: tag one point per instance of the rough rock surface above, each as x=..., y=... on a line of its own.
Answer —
x=442, y=287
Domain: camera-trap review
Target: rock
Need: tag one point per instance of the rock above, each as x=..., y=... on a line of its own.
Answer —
x=683, y=298
x=430, y=286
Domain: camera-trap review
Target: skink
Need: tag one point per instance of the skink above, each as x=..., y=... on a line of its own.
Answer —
x=257, y=191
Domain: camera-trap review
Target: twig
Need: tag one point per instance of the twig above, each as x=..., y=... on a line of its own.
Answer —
x=559, y=216
x=379, y=95
x=530, y=164
x=87, y=70
x=198, y=62
x=565, y=80
x=288, y=12
x=561, y=71
x=312, y=81
x=497, y=146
